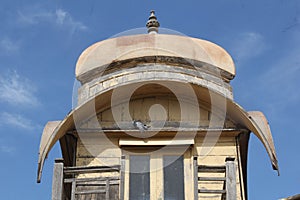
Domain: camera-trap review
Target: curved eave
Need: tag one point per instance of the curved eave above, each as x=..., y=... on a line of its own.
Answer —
x=47, y=132
x=50, y=137
x=253, y=121
x=256, y=122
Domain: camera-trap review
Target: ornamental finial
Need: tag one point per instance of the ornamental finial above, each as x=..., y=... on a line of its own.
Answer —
x=152, y=23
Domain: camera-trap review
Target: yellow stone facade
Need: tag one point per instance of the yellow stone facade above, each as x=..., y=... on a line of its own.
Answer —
x=180, y=88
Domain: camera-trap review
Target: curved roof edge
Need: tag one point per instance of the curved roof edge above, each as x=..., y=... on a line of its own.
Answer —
x=257, y=123
x=111, y=50
x=254, y=121
x=46, y=136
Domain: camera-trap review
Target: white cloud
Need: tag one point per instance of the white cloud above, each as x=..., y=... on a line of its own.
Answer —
x=280, y=83
x=7, y=149
x=9, y=46
x=63, y=18
x=247, y=45
x=283, y=77
x=59, y=17
x=30, y=17
x=17, y=90
x=17, y=121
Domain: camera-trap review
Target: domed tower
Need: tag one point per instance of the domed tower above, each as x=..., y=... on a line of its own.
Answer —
x=155, y=119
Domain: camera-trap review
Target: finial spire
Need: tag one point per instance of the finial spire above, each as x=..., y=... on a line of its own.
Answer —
x=152, y=23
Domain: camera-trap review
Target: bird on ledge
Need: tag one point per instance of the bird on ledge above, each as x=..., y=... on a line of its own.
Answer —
x=141, y=126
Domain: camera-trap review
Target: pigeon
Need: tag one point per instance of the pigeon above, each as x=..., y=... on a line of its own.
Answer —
x=138, y=124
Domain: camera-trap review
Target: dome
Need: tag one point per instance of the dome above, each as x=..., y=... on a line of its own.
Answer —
x=154, y=48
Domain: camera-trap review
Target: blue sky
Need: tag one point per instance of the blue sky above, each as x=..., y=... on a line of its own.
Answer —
x=40, y=42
